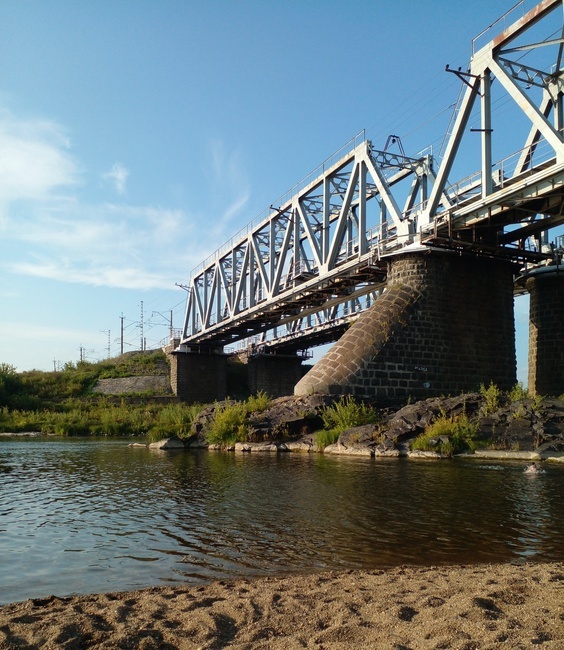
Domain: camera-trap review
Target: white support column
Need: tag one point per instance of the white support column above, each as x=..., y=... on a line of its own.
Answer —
x=487, y=184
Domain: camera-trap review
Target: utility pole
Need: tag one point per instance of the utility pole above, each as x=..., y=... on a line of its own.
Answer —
x=121, y=337
x=142, y=337
x=169, y=320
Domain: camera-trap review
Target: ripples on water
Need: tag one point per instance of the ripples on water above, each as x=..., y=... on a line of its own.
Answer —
x=84, y=516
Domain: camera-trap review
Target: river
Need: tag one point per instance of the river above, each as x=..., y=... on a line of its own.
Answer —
x=82, y=516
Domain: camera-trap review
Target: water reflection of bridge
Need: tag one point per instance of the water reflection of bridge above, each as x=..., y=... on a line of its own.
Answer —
x=301, y=272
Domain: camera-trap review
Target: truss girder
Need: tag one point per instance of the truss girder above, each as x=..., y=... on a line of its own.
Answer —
x=317, y=248
x=296, y=258
x=493, y=62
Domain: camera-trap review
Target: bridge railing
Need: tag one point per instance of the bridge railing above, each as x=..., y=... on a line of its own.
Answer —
x=500, y=23
x=282, y=200
x=503, y=172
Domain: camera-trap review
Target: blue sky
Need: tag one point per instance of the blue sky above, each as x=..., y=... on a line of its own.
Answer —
x=137, y=136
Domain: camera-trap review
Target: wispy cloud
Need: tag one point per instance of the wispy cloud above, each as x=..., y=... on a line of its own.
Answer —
x=102, y=245
x=118, y=176
x=229, y=182
x=35, y=161
x=52, y=233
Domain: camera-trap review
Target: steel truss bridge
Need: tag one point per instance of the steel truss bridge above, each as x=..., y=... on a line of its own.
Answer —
x=296, y=276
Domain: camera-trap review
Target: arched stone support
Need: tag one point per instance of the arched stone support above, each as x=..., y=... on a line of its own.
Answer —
x=546, y=331
x=445, y=324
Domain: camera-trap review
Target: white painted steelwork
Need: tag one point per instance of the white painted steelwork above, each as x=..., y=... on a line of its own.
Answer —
x=319, y=252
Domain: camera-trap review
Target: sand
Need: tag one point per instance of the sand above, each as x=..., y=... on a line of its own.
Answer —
x=464, y=608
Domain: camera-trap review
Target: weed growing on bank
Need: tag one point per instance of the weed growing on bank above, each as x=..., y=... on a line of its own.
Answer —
x=492, y=396
x=448, y=436
x=230, y=421
x=343, y=415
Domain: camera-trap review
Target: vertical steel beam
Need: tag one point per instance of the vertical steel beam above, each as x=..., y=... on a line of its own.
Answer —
x=487, y=184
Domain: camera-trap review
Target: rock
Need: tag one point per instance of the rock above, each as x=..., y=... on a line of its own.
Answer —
x=253, y=446
x=136, y=444
x=389, y=453
x=417, y=453
x=361, y=435
x=303, y=445
x=336, y=448
x=556, y=446
x=289, y=417
x=290, y=422
x=168, y=443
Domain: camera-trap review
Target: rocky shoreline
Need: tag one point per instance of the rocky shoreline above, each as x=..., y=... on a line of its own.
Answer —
x=525, y=429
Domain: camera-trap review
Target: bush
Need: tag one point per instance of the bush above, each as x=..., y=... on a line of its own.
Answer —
x=343, y=415
x=228, y=425
x=458, y=434
x=326, y=437
x=174, y=420
x=347, y=413
x=258, y=403
x=492, y=396
x=518, y=392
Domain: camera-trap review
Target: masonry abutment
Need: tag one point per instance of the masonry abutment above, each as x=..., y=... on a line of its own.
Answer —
x=198, y=376
x=546, y=331
x=274, y=374
x=445, y=324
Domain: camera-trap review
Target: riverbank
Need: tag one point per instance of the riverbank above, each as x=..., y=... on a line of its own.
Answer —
x=417, y=608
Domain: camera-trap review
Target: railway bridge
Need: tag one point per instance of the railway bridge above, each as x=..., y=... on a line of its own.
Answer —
x=414, y=274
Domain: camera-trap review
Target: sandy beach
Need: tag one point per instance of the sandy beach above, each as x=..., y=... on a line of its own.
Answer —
x=463, y=608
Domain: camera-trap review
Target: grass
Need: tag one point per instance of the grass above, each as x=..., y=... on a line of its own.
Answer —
x=448, y=436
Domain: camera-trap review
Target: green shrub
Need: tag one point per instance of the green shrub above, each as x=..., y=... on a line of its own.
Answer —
x=492, y=396
x=326, y=437
x=459, y=434
x=174, y=420
x=348, y=413
x=228, y=425
x=537, y=401
x=258, y=403
x=343, y=415
x=518, y=392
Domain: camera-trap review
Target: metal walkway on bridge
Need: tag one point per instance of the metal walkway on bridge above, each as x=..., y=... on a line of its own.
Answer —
x=299, y=273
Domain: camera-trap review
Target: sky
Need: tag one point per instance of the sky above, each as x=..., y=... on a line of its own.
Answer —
x=137, y=136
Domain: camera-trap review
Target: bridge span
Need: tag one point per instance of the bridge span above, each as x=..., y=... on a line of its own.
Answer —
x=358, y=241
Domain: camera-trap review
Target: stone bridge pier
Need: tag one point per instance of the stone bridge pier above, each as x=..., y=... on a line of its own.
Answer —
x=198, y=375
x=546, y=330
x=274, y=374
x=201, y=375
x=444, y=324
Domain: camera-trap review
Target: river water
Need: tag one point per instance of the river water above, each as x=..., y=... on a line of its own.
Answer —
x=92, y=515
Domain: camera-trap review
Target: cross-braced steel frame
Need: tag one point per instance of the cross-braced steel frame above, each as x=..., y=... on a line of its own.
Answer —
x=316, y=259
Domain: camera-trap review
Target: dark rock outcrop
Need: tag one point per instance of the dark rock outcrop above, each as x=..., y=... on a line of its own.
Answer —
x=289, y=424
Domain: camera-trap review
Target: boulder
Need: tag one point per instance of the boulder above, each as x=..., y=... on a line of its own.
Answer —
x=168, y=443
x=289, y=417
